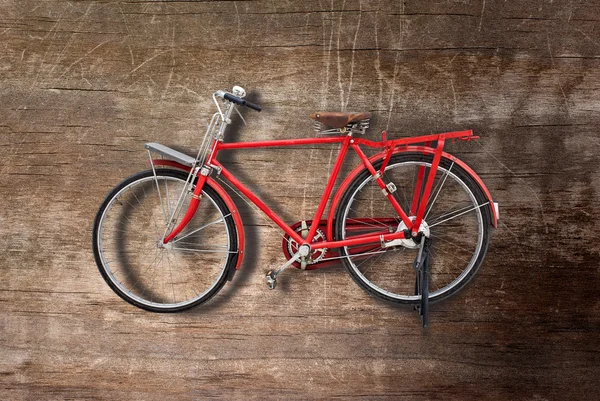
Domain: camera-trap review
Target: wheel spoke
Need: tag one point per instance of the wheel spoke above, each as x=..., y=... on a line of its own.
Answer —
x=438, y=191
x=453, y=243
x=370, y=267
x=139, y=203
x=158, y=189
x=202, y=228
x=171, y=275
x=161, y=278
x=202, y=250
x=454, y=256
x=457, y=215
x=458, y=244
x=167, y=197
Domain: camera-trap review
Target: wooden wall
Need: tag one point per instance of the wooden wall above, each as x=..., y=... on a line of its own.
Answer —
x=84, y=84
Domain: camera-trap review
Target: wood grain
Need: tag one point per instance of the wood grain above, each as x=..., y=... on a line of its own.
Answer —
x=85, y=84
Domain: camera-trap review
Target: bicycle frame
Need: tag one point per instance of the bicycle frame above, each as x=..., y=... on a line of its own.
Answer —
x=129, y=249
x=419, y=200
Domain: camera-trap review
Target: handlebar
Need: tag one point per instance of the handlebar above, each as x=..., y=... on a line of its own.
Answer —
x=237, y=100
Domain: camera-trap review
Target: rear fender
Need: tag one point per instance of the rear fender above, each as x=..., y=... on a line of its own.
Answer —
x=380, y=156
x=226, y=198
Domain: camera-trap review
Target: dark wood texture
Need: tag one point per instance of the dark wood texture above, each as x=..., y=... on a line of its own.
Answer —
x=84, y=84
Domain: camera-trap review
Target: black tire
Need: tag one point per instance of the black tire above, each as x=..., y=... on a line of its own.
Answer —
x=208, y=193
x=407, y=159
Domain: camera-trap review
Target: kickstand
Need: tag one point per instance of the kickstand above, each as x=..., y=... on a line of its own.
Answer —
x=421, y=266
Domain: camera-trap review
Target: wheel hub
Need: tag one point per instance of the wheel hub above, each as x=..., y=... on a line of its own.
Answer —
x=162, y=245
x=409, y=242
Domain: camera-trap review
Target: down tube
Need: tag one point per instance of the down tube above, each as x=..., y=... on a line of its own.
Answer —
x=266, y=210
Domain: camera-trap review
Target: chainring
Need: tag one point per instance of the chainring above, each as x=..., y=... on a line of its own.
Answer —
x=316, y=255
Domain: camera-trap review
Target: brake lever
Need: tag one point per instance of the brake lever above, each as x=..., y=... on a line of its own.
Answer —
x=240, y=114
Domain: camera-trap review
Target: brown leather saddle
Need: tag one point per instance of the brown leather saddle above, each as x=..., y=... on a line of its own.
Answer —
x=336, y=119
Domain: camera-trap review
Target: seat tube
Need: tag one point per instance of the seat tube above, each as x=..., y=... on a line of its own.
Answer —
x=330, y=183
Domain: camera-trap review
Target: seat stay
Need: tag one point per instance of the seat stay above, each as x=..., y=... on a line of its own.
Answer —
x=386, y=192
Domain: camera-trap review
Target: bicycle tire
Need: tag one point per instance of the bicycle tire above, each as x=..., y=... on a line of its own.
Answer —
x=419, y=159
x=209, y=194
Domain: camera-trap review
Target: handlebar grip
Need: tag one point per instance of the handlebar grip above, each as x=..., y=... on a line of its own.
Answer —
x=241, y=102
x=233, y=99
x=253, y=106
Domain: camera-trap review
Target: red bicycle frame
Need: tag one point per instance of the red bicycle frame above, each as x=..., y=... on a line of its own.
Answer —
x=419, y=200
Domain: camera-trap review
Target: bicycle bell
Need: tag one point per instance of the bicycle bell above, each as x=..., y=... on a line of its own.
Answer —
x=239, y=91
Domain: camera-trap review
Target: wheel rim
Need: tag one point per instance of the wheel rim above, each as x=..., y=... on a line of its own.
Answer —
x=177, y=276
x=389, y=272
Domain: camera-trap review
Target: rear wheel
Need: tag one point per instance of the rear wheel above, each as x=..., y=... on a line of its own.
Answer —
x=456, y=219
x=127, y=243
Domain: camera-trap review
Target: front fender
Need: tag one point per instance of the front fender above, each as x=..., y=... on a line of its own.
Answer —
x=380, y=156
x=226, y=198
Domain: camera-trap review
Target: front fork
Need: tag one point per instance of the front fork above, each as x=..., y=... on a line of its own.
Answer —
x=203, y=172
x=189, y=214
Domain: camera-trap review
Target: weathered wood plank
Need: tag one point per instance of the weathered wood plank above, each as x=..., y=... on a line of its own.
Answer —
x=86, y=84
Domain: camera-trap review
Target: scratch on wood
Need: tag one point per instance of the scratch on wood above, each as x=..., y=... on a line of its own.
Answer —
x=588, y=38
x=150, y=59
x=520, y=179
x=377, y=63
x=558, y=77
x=352, y=58
x=339, y=64
x=325, y=290
x=54, y=29
x=399, y=48
x=124, y=19
x=84, y=78
x=326, y=88
x=239, y=26
x=61, y=54
x=83, y=57
x=454, y=94
x=570, y=10
x=185, y=88
x=128, y=33
x=481, y=15
x=172, y=65
x=306, y=25
x=81, y=20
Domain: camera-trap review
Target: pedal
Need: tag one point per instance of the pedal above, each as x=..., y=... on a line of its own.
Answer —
x=271, y=279
x=271, y=276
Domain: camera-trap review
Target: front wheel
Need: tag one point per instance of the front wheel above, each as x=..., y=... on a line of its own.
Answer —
x=127, y=242
x=456, y=220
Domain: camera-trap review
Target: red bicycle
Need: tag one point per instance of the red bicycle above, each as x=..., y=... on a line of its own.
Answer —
x=411, y=224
